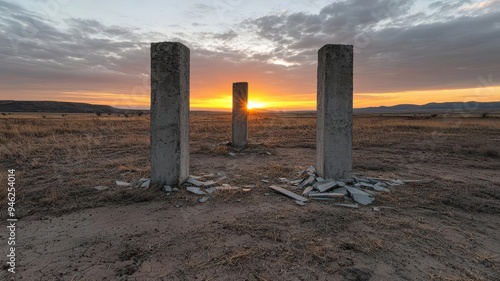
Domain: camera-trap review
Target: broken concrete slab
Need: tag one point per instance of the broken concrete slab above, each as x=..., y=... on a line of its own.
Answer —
x=200, y=183
x=307, y=181
x=330, y=195
x=123, y=183
x=167, y=188
x=326, y=185
x=300, y=203
x=311, y=169
x=203, y=199
x=354, y=206
x=307, y=190
x=296, y=181
x=360, y=196
x=195, y=190
x=342, y=190
x=146, y=183
x=288, y=193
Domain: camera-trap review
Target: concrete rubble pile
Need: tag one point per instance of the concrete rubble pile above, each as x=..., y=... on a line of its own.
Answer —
x=345, y=193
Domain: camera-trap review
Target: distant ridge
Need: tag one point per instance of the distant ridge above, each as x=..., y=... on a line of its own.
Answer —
x=455, y=107
x=77, y=107
x=55, y=107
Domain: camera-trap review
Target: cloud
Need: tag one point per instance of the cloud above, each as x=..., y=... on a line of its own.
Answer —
x=393, y=51
x=396, y=49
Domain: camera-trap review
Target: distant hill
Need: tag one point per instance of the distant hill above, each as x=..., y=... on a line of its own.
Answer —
x=457, y=107
x=56, y=107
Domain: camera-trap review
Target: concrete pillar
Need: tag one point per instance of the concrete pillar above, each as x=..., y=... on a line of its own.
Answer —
x=169, y=113
x=240, y=114
x=334, y=112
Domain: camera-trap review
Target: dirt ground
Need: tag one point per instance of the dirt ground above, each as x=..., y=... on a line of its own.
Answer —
x=446, y=229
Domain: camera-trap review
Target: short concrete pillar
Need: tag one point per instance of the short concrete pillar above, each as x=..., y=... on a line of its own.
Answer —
x=240, y=114
x=334, y=112
x=169, y=113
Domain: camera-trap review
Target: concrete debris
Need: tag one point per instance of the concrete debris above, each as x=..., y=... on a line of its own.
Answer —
x=203, y=199
x=341, y=183
x=123, y=183
x=211, y=189
x=232, y=154
x=296, y=182
x=326, y=185
x=265, y=181
x=268, y=153
x=307, y=190
x=285, y=180
x=200, y=183
x=227, y=187
x=221, y=178
x=195, y=177
x=307, y=181
x=319, y=179
x=246, y=189
x=195, y=190
x=327, y=195
x=311, y=169
x=354, y=206
x=175, y=189
x=342, y=190
x=101, y=187
x=288, y=193
x=360, y=196
x=248, y=186
x=300, y=203
x=167, y=188
x=146, y=184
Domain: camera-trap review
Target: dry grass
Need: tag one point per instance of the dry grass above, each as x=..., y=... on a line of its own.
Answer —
x=60, y=157
x=442, y=230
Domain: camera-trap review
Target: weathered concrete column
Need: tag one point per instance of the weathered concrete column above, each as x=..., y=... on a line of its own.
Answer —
x=240, y=114
x=334, y=112
x=169, y=113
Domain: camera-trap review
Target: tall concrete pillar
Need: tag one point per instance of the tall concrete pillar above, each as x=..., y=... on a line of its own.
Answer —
x=240, y=114
x=334, y=112
x=169, y=113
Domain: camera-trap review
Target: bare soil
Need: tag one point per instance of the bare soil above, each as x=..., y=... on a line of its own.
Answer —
x=447, y=229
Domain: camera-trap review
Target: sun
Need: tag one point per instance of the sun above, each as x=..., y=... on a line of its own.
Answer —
x=254, y=105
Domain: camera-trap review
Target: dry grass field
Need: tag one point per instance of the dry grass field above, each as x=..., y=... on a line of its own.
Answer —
x=446, y=229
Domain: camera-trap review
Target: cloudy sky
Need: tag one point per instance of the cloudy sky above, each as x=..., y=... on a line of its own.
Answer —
x=406, y=51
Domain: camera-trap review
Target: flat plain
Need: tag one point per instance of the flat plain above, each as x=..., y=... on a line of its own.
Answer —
x=444, y=229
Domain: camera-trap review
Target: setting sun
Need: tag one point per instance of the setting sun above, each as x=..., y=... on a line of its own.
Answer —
x=254, y=104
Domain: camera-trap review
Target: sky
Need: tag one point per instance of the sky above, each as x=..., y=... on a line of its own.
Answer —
x=405, y=51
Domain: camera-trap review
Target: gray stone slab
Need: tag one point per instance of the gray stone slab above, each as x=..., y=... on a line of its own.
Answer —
x=342, y=190
x=101, y=187
x=195, y=190
x=354, y=206
x=146, y=184
x=307, y=181
x=288, y=193
x=167, y=188
x=334, y=111
x=211, y=189
x=169, y=113
x=300, y=203
x=240, y=114
x=203, y=199
x=307, y=190
x=326, y=185
x=123, y=183
x=330, y=194
x=360, y=196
